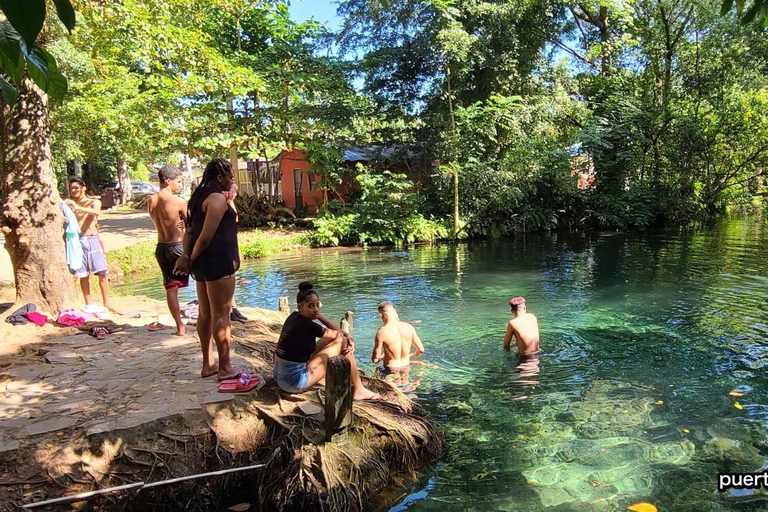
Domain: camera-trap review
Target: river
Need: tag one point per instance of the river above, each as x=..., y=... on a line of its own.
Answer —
x=645, y=337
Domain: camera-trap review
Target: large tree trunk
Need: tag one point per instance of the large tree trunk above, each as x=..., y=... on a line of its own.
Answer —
x=32, y=219
x=124, y=179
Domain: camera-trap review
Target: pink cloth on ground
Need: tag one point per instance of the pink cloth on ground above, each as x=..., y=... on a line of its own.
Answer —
x=36, y=318
x=70, y=318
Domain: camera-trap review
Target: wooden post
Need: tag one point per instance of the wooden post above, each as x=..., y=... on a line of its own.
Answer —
x=350, y=318
x=338, y=396
x=282, y=305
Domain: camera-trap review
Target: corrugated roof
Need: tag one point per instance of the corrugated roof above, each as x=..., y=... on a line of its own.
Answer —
x=369, y=153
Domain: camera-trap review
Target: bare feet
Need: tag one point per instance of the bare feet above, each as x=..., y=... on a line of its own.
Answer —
x=366, y=394
x=231, y=374
x=181, y=330
x=207, y=371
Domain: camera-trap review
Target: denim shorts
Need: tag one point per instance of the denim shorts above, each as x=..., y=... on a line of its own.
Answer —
x=291, y=377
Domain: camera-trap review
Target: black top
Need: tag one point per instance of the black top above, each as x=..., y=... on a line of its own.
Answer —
x=222, y=257
x=298, y=339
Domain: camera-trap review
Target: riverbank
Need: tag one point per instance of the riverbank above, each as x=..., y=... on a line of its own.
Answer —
x=254, y=243
x=80, y=414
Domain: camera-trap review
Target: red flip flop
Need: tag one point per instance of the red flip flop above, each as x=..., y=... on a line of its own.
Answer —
x=242, y=385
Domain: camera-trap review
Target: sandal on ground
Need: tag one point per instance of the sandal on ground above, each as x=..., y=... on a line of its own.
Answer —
x=242, y=385
x=98, y=332
x=156, y=326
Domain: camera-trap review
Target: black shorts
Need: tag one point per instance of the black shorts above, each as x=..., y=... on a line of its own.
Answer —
x=166, y=255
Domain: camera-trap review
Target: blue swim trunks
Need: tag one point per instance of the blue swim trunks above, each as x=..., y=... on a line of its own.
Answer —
x=291, y=377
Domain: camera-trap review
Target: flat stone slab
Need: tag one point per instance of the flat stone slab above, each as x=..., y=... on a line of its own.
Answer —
x=216, y=397
x=51, y=424
x=129, y=379
x=63, y=357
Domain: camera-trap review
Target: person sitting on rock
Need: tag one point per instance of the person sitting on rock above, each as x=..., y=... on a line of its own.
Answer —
x=301, y=360
x=524, y=327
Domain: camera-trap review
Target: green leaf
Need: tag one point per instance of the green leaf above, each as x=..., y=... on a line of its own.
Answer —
x=727, y=6
x=26, y=16
x=10, y=94
x=45, y=73
x=11, y=60
x=66, y=13
x=752, y=13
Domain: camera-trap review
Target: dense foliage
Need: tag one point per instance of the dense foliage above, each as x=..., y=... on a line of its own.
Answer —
x=661, y=103
x=387, y=211
x=658, y=109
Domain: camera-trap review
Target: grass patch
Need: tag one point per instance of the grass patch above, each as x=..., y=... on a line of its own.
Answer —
x=134, y=259
x=253, y=244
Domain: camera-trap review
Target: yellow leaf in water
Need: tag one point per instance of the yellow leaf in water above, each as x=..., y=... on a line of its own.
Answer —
x=735, y=393
x=59, y=434
x=625, y=411
x=738, y=406
x=240, y=507
x=659, y=402
x=642, y=507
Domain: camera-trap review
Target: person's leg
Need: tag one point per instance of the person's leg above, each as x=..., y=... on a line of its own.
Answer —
x=104, y=285
x=85, y=285
x=219, y=299
x=204, y=330
x=172, y=298
x=318, y=365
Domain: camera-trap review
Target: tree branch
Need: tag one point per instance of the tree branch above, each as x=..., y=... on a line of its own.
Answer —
x=576, y=54
x=578, y=24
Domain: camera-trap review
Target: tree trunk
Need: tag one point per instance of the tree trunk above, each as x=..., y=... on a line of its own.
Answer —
x=124, y=179
x=453, y=153
x=605, y=37
x=32, y=221
x=78, y=164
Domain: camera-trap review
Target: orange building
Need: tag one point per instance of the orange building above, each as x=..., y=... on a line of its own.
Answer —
x=300, y=186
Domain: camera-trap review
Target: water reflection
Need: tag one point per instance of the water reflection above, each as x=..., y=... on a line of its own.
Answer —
x=644, y=337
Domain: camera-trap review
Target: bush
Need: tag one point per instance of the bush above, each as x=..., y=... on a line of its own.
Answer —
x=387, y=212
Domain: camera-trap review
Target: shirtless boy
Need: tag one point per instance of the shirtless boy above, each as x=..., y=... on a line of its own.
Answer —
x=168, y=212
x=524, y=327
x=394, y=340
x=87, y=210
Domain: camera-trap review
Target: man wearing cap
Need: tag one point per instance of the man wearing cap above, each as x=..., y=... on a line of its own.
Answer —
x=524, y=327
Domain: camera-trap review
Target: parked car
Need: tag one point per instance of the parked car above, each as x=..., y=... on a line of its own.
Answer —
x=138, y=188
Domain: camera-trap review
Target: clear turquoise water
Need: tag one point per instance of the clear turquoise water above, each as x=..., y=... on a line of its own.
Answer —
x=627, y=320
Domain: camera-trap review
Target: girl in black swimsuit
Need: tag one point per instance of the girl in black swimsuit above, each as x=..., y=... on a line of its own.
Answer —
x=212, y=257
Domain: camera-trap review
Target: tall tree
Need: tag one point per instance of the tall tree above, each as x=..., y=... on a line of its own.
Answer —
x=32, y=219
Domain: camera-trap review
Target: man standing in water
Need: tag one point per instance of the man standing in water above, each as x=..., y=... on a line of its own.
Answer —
x=168, y=212
x=394, y=340
x=87, y=211
x=524, y=327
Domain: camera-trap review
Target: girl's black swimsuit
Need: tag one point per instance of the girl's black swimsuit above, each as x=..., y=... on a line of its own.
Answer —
x=222, y=257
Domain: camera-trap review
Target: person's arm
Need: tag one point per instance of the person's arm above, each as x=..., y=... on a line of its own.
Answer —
x=328, y=337
x=508, y=336
x=350, y=342
x=417, y=344
x=378, y=350
x=94, y=210
x=183, y=264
